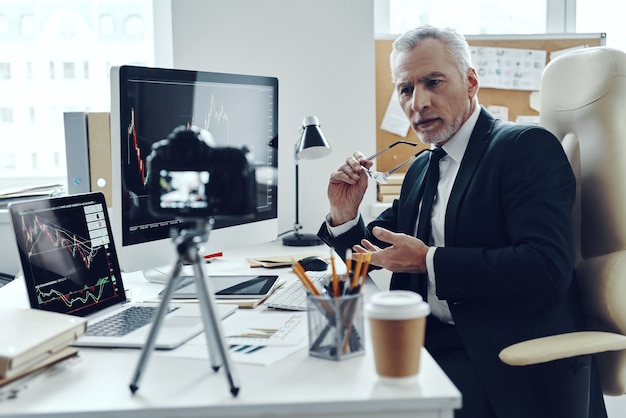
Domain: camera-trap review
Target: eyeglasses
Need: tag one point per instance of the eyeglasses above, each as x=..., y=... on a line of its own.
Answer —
x=383, y=177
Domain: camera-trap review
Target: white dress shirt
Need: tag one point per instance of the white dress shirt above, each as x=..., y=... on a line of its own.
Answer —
x=448, y=169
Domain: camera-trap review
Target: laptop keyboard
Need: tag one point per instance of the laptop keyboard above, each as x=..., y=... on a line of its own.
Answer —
x=293, y=296
x=123, y=322
x=4, y=279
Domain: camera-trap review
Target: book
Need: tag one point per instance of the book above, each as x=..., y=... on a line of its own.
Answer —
x=50, y=361
x=389, y=189
x=243, y=303
x=29, y=336
x=387, y=198
x=99, y=128
x=386, y=193
x=395, y=178
x=76, y=152
x=16, y=194
x=88, y=152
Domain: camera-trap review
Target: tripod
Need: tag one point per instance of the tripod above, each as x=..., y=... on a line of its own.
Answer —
x=187, y=245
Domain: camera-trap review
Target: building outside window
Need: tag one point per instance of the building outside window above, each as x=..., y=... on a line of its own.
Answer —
x=55, y=58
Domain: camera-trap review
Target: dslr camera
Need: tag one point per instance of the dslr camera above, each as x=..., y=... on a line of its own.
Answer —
x=190, y=178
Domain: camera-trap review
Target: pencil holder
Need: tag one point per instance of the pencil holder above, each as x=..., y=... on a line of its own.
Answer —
x=335, y=326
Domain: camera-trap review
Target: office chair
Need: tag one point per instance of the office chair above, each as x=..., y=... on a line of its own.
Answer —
x=583, y=102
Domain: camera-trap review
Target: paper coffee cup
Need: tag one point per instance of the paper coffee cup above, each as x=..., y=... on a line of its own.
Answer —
x=397, y=325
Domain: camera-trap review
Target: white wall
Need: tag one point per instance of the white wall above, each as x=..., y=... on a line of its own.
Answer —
x=323, y=55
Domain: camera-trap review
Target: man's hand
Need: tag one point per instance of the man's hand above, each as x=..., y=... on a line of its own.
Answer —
x=346, y=189
x=406, y=254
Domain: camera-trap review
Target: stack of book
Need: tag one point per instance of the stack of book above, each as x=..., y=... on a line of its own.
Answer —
x=33, y=339
x=15, y=194
x=390, y=191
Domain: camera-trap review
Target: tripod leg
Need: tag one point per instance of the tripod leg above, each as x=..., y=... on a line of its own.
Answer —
x=212, y=327
x=156, y=326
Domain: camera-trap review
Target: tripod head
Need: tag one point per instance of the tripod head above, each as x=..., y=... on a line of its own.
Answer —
x=188, y=237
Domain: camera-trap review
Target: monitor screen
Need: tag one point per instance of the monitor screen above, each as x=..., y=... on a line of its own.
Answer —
x=147, y=104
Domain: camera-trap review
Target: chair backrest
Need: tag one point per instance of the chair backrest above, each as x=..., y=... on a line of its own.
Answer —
x=583, y=102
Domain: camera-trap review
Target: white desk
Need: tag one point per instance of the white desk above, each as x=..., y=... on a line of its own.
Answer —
x=300, y=385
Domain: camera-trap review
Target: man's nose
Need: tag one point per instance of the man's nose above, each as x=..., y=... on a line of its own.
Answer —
x=420, y=100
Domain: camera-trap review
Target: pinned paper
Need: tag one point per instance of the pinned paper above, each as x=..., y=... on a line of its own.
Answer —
x=533, y=100
x=509, y=68
x=394, y=120
x=499, y=112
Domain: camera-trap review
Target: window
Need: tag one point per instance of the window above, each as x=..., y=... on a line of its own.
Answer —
x=69, y=70
x=5, y=70
x=495, y=17
x=470, y=17
x=56, y=56
x=6, y=115
x=592, y=17
x=5, y=27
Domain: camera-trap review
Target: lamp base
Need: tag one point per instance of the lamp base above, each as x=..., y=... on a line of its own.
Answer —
x=301, y=240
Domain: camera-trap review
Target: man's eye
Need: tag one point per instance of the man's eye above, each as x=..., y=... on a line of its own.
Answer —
x=433, y=83
x=405, y=90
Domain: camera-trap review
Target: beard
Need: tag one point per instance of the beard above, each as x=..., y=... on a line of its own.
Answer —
x=435, y=137
x=444, y=133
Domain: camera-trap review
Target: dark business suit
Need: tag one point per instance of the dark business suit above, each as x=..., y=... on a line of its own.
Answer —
x=506, y=269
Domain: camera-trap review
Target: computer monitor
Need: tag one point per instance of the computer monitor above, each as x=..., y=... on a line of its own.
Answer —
x=147, y=104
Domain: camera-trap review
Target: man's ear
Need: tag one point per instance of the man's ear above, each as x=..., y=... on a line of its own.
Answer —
x=472, y=82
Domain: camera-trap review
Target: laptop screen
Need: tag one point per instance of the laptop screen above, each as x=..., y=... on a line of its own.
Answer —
x=67, y=253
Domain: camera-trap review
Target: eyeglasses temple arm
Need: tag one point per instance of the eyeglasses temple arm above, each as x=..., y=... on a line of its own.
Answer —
x=371, y=157
x=410, y=160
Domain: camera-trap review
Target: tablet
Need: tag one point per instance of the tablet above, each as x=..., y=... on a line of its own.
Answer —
x=257, y=287
x=231, y=287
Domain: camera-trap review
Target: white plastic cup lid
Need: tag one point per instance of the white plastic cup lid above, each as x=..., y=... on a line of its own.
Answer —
x=396, y=304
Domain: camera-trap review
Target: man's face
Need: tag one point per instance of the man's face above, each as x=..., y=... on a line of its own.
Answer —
x=433, y=93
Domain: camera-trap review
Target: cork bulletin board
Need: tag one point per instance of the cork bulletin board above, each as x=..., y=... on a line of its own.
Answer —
x=517, y=101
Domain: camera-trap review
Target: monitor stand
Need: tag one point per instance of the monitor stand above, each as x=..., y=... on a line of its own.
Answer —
x=158, y=275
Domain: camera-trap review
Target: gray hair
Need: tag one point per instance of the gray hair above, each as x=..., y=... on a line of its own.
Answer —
x=456, y=43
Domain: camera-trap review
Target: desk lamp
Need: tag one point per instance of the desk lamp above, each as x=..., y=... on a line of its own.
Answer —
x=312, y=145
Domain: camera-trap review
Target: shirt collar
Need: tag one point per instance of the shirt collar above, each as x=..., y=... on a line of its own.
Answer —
x=455, y=147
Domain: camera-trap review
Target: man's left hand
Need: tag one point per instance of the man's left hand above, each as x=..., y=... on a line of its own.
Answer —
x=406, y=254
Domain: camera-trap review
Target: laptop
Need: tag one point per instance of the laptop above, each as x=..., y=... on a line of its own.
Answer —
x=70, y=266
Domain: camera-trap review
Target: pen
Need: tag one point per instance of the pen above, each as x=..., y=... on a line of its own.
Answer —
x=213, y=255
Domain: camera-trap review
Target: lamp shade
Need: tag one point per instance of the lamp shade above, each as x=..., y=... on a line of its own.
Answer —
x=312, y=143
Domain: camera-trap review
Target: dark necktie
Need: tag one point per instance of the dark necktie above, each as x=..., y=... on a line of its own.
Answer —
x=430, y=190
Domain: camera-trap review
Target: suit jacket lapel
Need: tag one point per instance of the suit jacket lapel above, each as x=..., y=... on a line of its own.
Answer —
x=408, y=212
x=473, y=154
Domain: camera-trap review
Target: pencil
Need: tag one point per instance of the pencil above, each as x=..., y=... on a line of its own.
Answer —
x=335, y=278
x=299, y=270
x=366, y=265
x=348, y=264
x=357, y=270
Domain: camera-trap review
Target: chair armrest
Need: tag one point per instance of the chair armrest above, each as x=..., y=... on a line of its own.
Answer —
x=541, y=350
